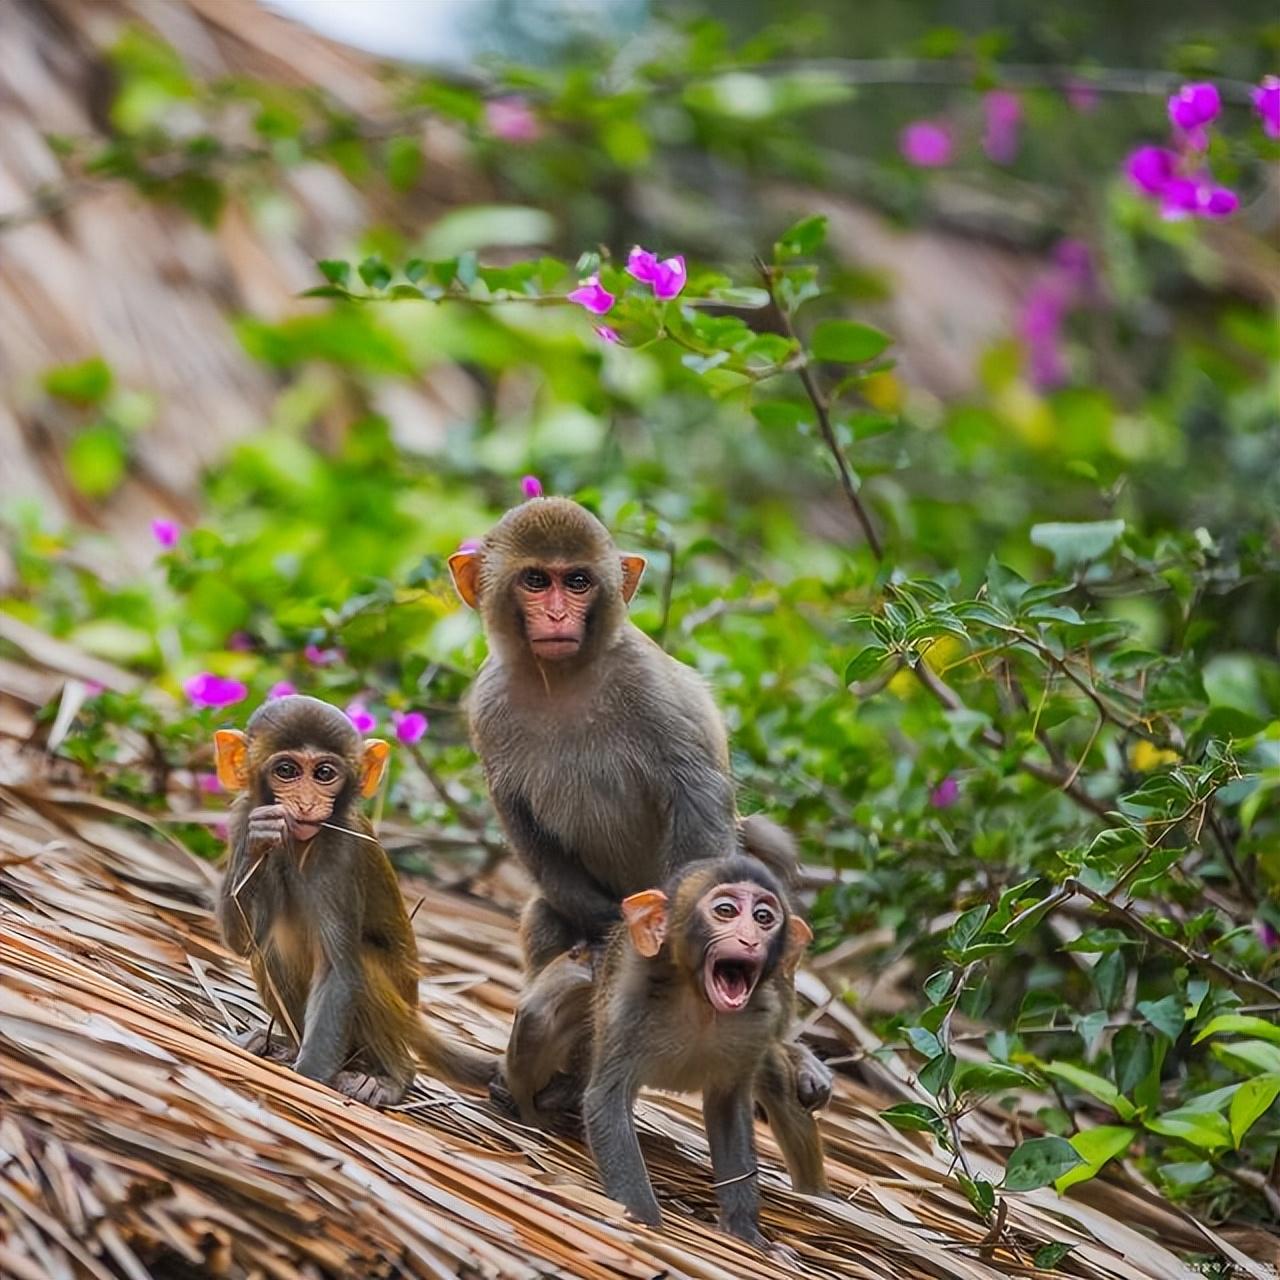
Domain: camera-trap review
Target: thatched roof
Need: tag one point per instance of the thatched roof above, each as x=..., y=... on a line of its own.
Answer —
x=137, y=1141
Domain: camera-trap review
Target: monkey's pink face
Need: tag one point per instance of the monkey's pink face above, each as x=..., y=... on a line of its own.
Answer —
x=307, y=784
x=554, y=601
x=744, y=923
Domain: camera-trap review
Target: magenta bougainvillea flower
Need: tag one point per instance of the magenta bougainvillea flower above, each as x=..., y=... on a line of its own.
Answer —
x=593, y=295
x=1068, y=279
x=666, y=278
x=166, y=533
x=1150, y=169
x=240, y=642
x=281, y=689
x=945, y=794
x=410, y=725
x=208, y=783
x=531, y=486
x=512, y=120
x=1003, y=114
x=319, y=657
x=606, y=333
x=360, y=716
x=209, y=690
x=1194, y=106
x=926, y=144
x=1267, y=935
x=469, y=544
x=1266, y=102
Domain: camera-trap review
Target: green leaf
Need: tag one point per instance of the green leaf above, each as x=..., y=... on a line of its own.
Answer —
x=990, y=1077
x=805, y=237
x=481, y=226
x=1249, y=1057
x=1186, y=1174
x=335, y=271
x=914, y=1117
x=936, y=1074
x=923, y=1041
x=1095, y=1085
x=1168, y=1016
x=936, y=985
x=1131, y=1058
x=1250, y=1102
x=404, y=162
x=1049, y=1255
x=1204, y=1129
x=848, y=341
x=1095, y=1147
x=95, y=460
x=1239, y=1024
x=85, y=383
x=375, y=273
x=1108, y=977
x=1074, y=544
x=1038, y=1162
x=967, y=925
x=981, y=1194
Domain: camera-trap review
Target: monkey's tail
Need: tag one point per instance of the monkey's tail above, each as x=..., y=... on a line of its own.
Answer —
x=762, y=838
x=457, y=1063
x=395, y=1033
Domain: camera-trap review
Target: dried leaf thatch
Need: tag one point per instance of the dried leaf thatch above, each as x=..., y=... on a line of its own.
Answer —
x=136, y=1140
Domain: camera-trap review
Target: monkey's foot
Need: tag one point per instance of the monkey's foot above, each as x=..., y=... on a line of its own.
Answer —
x=814, y=1081
x=502, y=1097
x=259, y=1042
x=783, y=1254
x=375, y=1091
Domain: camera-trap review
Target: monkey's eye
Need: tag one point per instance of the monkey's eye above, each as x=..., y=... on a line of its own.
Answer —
x=725, y=910
x=763, y=917
x=535, y=580
x=286, y=770
x=325, y=772
x=578, y=581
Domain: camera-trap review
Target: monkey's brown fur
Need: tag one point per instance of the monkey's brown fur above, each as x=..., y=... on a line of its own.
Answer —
x=323, y=922
x=609, y=769
x=653, y=1026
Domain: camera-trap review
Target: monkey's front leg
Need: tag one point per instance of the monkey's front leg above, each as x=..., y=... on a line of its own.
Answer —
x=608, y=1109
x=326, y=1037
x=727, y=1116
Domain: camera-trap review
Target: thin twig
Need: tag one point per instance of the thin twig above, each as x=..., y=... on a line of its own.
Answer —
x=821, y=409
x=1237, y=981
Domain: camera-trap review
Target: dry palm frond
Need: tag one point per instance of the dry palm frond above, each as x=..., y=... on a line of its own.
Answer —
x=137, y=1141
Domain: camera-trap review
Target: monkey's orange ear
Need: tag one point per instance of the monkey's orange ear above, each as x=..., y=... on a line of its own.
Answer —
x=645, y=914
x=231, y=749
x=632, y=572
x=373, y=764
x=464, y=566
x=799, y=935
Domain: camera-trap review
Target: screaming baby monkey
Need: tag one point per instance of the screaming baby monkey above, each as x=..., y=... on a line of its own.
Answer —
x=311, y=898
x=691, y=998
x=606, y=758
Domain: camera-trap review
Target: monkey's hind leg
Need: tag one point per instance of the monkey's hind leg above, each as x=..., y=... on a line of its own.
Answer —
x=794, y=1127
x=544, y=1069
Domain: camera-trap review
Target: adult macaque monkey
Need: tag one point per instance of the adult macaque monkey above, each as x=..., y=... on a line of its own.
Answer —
x=311, y=898
x=606, y=758
x=691, y=997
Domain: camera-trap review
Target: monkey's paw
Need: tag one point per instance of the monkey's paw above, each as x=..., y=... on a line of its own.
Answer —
x=783, y=1254
x=814, y=1081
x=259, y=1042
x=375, y=1091
x=502, y=1098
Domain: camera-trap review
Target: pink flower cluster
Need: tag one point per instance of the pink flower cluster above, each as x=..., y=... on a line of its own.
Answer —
x=166, y=533
x=1044, y=311
x=666, y=277
x=1178, y=177
x=512, y=120
x=209, y=690
x=410, y=726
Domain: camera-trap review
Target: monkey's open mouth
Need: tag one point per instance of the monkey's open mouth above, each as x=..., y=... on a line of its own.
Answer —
x=730, y=984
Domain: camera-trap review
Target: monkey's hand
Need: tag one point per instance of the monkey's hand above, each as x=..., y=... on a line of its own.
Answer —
x=268, y=829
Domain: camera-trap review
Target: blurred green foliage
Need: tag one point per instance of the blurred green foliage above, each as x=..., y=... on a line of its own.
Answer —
x=1036, y=742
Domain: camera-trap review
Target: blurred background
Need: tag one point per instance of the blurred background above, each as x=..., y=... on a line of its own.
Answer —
x=212, y=485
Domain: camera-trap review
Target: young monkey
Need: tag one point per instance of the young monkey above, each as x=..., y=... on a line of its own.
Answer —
x=692, y=997
x=311, y=898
